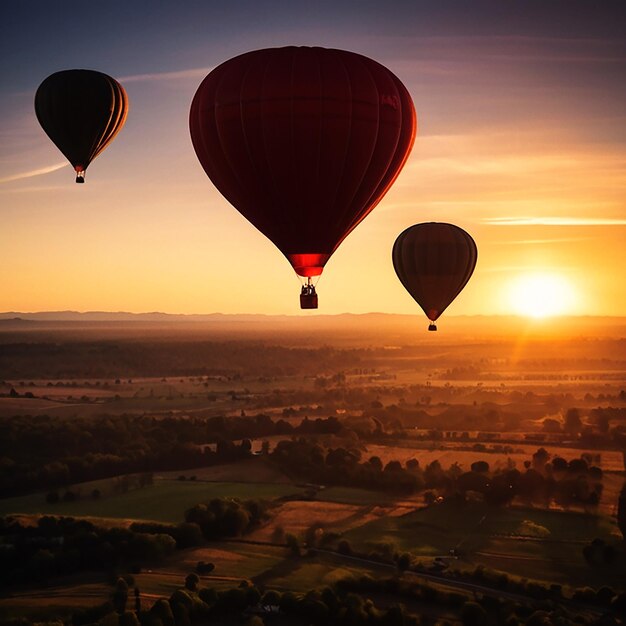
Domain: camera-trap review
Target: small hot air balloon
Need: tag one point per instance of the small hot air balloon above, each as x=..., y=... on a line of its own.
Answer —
x=303, y=142
x=434, y=261
x=81, y=111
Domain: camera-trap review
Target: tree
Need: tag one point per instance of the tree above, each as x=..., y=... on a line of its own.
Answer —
x=181, y=597
x=204, y=568
x=395, y=615
x=540, y=458
x=481, y=467
x=573, y=423
x=603, y=422
x=393, y=467
x=293, y=544
x=253, y=596
x=192, y=582
x=430, y=497
x=188, y=535
x=551, y=425
x=376, y=463
x=271, y=598
x=621, y=511
x=181, y=614
x=128, y=618
x=120, y=596
x=473, y=614
x=41, y=565
x=404, y=562
x=412, y=465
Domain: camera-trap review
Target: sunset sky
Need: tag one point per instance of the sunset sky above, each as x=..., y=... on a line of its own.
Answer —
x=522, y=142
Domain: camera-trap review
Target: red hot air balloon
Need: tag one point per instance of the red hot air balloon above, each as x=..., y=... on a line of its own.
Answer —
x=81, y=111
x=434, y=262
x=304, y=143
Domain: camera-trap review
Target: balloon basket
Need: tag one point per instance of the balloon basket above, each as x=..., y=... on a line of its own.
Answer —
x=308, y=296
x=308, y=301
x=432, y=327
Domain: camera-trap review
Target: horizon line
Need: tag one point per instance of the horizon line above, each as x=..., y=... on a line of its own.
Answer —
x=16, y=314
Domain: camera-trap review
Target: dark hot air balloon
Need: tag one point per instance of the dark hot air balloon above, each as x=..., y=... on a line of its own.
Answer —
x=81, y=111
x=434, y=262
x=304, y=143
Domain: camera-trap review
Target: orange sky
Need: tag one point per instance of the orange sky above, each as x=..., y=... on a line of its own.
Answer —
x=521, y=143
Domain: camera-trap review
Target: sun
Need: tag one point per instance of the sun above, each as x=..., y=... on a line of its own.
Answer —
x=542, y=295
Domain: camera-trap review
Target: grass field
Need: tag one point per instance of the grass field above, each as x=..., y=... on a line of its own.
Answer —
x=165, y=501
x=234, y=562
x=305, y=575
x=254, y=470
x=348, y=495
x=439, y=528
x=295, y=517
x=489, y=535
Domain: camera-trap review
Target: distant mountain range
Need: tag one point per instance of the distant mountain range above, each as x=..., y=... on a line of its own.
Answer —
x=389, y=325
x=123, y=316
x=155, y=316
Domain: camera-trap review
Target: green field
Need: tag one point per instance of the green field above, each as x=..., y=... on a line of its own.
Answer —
x=165, y=501
x=299, y=575
x=490, y=536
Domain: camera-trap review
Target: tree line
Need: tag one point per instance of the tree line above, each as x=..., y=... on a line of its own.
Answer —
x=124, y=359
x=57, y=546
x=348, y=602
x=40, y=452
x=543, y=480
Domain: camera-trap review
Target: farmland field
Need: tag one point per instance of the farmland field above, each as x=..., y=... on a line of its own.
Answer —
x=490, y=536
x=610, y=460
x=120, y=421
x=165, y=501
x=246, y=471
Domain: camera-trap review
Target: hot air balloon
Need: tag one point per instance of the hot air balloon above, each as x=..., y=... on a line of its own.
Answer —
x=303, y=142
x=81, y=111
x=434, y=261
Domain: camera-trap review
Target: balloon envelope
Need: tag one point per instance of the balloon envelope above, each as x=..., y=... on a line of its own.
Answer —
x=434, y=261
x=304, y=142
x=81, y=111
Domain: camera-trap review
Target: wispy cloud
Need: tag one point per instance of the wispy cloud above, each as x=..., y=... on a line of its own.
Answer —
x=554, y=221
x=522, y=269
x=527, y=242
x=32, y=173
x=197, y=72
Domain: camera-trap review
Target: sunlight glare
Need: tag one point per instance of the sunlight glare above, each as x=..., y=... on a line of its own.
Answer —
x=542, y=295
